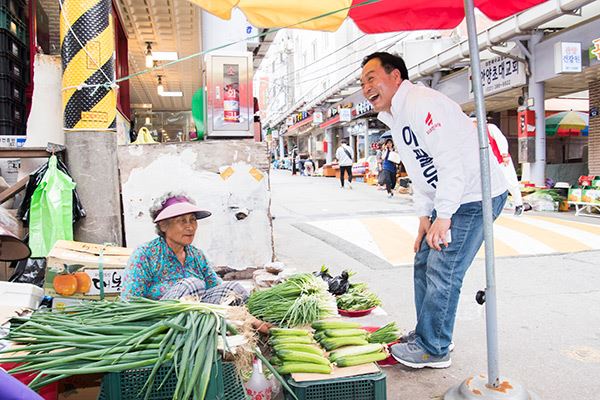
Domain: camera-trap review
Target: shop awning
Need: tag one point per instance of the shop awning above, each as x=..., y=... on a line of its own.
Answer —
x=369, y=15
x=295, y=129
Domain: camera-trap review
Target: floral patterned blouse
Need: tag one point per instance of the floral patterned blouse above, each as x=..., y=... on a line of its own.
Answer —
x=153, y=269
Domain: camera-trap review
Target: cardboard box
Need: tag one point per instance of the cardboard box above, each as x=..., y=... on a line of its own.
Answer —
x=70, y=254
x=574, y=195
x=60, y=303
x=590, y=195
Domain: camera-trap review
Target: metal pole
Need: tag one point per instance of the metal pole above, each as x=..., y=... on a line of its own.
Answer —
x=281, y=147
x=488, y=233
x=536, y=92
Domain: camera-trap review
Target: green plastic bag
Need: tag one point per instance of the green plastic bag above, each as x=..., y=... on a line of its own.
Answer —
x=51, y=211
x=198, y=113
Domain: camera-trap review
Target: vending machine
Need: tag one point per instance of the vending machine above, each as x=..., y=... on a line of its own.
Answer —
x=230, y=106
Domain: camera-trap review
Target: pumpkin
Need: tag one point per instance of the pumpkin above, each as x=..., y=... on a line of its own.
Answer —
x=65, y=284
x=84, y=282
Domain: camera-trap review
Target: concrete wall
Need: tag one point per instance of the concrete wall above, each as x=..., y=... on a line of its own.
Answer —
x=92, y=161
x=223, y=177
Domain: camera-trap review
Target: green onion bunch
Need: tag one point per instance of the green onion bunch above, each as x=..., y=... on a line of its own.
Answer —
x=386, y=334
x=358, y=297
x=300, y=300
x=102, y=337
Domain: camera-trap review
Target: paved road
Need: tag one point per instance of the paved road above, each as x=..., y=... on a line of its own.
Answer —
x=549, y=304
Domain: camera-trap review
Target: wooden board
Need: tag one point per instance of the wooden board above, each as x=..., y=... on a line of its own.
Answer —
x=370, y=368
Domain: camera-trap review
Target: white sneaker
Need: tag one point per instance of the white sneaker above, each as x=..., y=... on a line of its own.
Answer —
x=349, y=185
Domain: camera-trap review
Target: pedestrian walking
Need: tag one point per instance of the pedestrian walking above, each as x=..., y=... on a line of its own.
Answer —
x=389, y=167
x=439, y=148
x=294, y=155
x=345, y=155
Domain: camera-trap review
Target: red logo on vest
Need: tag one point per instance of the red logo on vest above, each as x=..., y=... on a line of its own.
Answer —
x=429, y=122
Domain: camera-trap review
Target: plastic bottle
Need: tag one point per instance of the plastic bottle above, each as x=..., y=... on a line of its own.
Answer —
x=258, y=387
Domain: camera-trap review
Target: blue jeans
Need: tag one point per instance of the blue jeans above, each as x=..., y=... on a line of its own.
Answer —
x=438, y=275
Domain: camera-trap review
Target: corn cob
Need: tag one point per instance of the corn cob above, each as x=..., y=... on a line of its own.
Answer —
x=349, y=361
x=334, y=324
x=301, y=357
x=290, y=368
x=306, y=348
x=334, y=343
x=356, y=351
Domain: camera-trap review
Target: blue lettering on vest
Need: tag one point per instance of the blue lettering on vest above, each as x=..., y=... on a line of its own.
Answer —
x=409, y=136
x=425, y=161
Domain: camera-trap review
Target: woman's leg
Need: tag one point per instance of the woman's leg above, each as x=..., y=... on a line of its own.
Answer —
x=231, y=293
x=185, y=287
x=388, y=181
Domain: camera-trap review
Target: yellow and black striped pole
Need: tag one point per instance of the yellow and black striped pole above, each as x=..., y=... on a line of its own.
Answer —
x=87, y=48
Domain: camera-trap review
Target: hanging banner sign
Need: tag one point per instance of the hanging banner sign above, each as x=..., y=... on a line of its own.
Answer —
x=318, y=117
x=567, y=57
x=595, y=50
x=345, y=114
x=363, y=107
x=499, y=74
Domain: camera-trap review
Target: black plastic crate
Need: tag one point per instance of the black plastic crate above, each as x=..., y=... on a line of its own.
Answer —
x=12, y=111
x=13, y=68
x=13, y=24
x=11, y=128
x=18, y=8
x=11, y=88
x=11, y=47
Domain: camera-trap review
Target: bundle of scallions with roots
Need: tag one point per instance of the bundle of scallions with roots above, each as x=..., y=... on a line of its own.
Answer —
x=102, y=337
x=300, y=300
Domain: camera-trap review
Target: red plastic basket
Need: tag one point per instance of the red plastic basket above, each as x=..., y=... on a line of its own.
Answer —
x=353, y=314
x=390, y=360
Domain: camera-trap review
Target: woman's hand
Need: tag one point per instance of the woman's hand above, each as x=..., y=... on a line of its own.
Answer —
x=261, y=326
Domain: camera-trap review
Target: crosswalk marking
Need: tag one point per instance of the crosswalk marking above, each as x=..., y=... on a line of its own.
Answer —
x=517, y=242
x=392, y=238
x=574, y=233
x=590, y=228
x=553, y=238
x=351, y=230
x=393, y=241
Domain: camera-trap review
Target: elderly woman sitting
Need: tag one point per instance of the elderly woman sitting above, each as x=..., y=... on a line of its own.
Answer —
x=169, y=267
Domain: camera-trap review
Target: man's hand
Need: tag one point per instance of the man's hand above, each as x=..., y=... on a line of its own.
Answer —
x=424, y=224
x=437, y=233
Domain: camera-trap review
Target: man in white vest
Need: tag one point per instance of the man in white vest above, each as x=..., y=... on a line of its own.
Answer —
x=438, y=146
